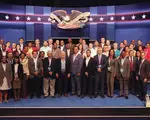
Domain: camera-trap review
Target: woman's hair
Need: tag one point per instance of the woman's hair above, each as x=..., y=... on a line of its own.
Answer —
x=113, y=51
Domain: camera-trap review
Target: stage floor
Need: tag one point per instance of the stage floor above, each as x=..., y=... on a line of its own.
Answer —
x=73, y=101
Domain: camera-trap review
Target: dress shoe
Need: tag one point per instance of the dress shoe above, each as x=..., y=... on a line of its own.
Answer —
x=73, y=93
x=45, y=97
x=66, y=95
x=108, y=95
x=126, y=97
x=78, y=95
x=59, y=95
x=95, y=96
x=120, y=96
x=103, y=96
x=53, y=96
x=38, y=96
x=82, y=96
x=111, y=96
x=90, y=96
x=31, y=97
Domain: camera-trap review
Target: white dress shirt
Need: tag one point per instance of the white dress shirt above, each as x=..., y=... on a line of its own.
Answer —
x=16, y=68
x=35, y=62
x=63, y=65
x=87, y=61
x=68, y=52
x=62, y=47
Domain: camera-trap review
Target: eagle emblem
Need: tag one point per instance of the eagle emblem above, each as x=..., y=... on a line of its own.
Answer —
x=63, y=20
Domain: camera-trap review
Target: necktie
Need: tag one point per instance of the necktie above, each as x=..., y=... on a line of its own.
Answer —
x=131, y=64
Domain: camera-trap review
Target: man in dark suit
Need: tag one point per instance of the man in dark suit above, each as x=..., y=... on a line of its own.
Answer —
x=63, y=74
x=142, y=76
x=21, y=43
x=68, y=51
x=35, y=68
x=76, y=66
x=49, y=74
x=123, y=74
x=62, y=46
x=100, y=72
x=132, y=79
x=88, y=73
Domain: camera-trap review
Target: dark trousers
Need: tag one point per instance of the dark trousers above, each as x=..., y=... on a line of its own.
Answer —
x=99, y=82
x=76, y=84
x=124, y=86
x=62, y=83
x=132, y=82
x=24, y=92
x=142, y=87
x=34, y=86
x=87, y=85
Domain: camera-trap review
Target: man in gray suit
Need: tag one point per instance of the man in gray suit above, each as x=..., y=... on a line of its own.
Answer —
x=76, y=66
x=123, y=74
x=35, y=68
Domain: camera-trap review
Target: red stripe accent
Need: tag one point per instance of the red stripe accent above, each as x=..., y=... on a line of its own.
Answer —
x=122, y=14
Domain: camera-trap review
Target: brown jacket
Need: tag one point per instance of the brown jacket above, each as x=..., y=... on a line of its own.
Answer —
x=7, y=73
x=126, y=69
x=56, y=53
x=31, y=66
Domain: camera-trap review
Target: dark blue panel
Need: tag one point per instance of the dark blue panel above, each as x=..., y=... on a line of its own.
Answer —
x=133, y=31
x=47, y=27
x=111, y=25
x=29, y=26
x=102, y=28
x=38, y=28
x=132, y=8
x=12, y=35
x=12, y=9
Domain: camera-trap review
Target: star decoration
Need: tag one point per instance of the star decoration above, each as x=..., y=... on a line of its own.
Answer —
x=28, y=18
x=6, y=17
x=90, y=19
x=101, y=18
x=17, y=18
x=122, y=18
x=133, y=17
x=143, y=16
x=39, y=19
x=111, y=18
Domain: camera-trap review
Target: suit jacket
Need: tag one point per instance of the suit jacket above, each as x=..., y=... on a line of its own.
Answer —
x=113, y=66
x=31, y=66
x=64, y=48
x=7, y=73
x=76, y=65
x=134, y=62
x=125, y=67
x=69, y=56
x=89, y=68
x=67, y=66
x=56, y=53
x=144, y=70
x=20, y=71
x=104, y=62
x=53, y=68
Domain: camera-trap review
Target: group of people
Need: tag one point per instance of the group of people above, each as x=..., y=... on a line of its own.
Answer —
x=35, y=70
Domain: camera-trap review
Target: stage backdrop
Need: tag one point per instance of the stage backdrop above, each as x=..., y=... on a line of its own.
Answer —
x=112, y=22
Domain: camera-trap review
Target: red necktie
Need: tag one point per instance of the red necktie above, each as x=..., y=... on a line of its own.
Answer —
x=131, y=64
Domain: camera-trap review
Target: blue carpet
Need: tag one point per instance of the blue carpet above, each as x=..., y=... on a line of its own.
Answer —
x=73, y=101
